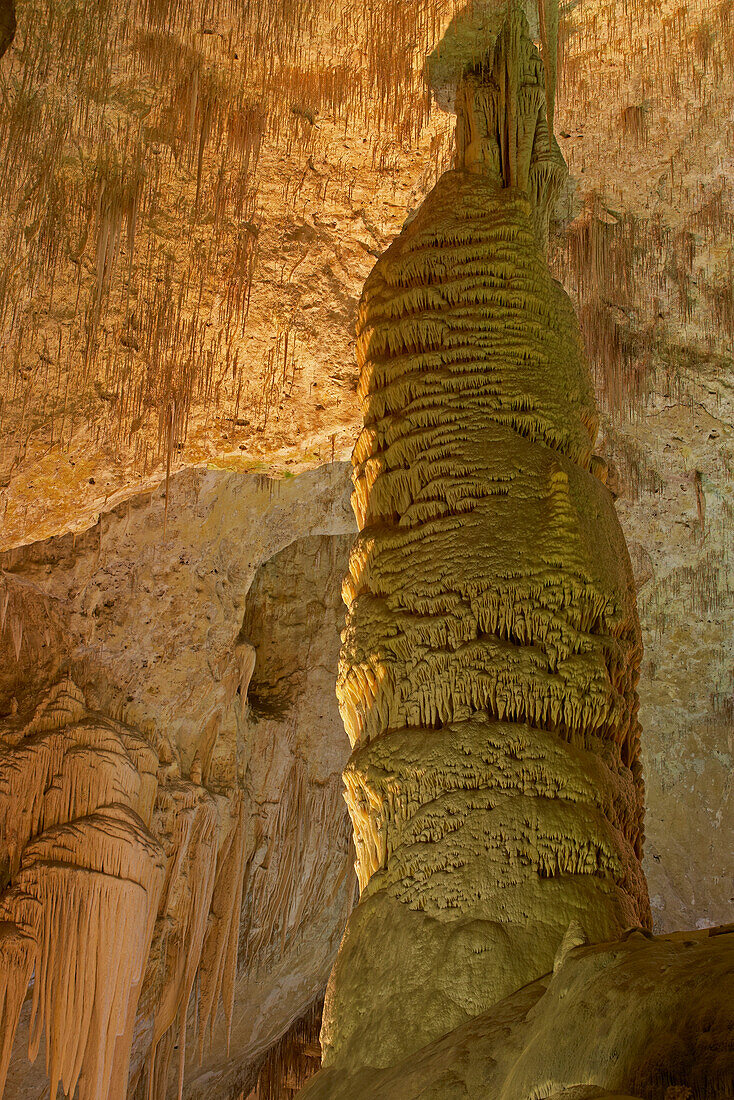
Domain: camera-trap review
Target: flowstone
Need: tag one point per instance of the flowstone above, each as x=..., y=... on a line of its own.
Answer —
x=645, y=1018
x=120, y=885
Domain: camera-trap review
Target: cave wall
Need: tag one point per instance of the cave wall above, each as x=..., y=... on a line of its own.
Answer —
x=158, y=627
x=162, y=633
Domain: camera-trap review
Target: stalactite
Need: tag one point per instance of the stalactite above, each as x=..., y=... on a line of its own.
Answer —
x=548, y=12
x=218, y=965
x=116, y=878
x=502, y=130
x=190, y=833
x=293, y=1060
x=17, y=958
x=81, y=874
x=284, y=887
x=142, y=340
x=86, y=988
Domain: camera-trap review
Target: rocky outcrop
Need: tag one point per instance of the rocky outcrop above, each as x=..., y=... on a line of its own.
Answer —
x=645, y=1017
x=236, y=792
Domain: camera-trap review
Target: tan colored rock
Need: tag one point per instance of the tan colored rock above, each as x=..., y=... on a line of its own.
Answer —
x=246, y=891
x=122, y=885
x=644, y=1017
x=644, y=103
x=82, y=875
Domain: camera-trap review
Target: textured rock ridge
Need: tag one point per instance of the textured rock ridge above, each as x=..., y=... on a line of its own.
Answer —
x=490, y=658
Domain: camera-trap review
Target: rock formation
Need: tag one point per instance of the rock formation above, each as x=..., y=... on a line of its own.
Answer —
x=121, y=160
x=195, y=188
x=83, y=875
x=645, y=1018
x=491, y=654
x=488, y=679
x=120, y=884
x=156, y=640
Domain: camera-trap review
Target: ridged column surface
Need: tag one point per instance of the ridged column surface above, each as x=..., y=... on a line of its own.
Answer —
x=491, y=653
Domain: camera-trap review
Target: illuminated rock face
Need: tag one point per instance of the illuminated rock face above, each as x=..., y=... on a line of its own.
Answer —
x=244, y=776
x=643, y=1017
x=120, y=884
x=85, y=877
x=491, y=653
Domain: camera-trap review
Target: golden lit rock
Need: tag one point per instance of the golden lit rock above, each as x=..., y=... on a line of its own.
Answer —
x=113, y=882
x=193, y=194
x=639, y=1018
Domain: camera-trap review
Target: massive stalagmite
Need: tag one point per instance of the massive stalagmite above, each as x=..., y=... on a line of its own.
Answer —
x=491, y=653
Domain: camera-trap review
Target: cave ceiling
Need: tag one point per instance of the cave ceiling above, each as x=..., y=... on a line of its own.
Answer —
x=195, y=191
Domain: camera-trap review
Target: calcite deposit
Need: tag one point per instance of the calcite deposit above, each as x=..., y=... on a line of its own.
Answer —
x=118, y=890
x=645, y=1018
x=116, y=117
x=82, y=874
x=212, y=652
x=193, y=194
x=491, y=654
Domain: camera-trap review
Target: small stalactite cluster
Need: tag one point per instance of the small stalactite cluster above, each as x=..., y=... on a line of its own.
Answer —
x=491, y=653
x=696, y=36
x=121, y=886
x=130, y=241
x=648, y=299
x=287, y=883
x=293, y=1060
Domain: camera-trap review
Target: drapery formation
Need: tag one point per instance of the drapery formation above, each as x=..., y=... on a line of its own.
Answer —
x=120, y=883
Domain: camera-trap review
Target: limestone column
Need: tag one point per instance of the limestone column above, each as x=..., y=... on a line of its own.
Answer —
x=491, y=652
